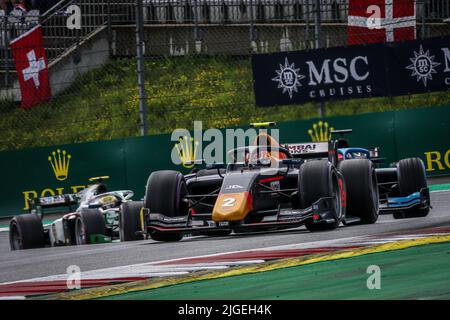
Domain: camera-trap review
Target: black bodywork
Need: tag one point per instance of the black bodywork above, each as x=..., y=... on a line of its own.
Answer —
x=274, y=194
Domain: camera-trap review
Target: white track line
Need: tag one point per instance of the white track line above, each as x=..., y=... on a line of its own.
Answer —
x=170, y=267
x=437, y=191
x=174, y=267
x=12, y=298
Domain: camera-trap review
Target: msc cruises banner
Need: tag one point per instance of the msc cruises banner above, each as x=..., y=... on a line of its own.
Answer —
x=385, y=69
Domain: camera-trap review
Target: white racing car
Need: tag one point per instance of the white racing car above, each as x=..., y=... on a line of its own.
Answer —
x=96, y=219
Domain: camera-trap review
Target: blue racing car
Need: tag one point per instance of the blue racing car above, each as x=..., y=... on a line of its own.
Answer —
x=402, y=187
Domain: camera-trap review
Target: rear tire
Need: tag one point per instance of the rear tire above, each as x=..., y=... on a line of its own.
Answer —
x=411, y=178
x=26, y=232
x=90, y=222
x=130, y=221
x=317, y=179
x=164, y=195
x=362, y=189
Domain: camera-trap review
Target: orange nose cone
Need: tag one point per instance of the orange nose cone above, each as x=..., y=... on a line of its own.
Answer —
x=232, y=207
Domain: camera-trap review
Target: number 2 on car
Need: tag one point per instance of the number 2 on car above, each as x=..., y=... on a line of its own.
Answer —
x=228, y=202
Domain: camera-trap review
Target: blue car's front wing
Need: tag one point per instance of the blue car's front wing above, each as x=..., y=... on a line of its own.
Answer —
x=416, y=200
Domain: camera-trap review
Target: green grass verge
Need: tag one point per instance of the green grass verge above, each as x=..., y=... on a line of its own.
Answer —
x=103, y=104
x=439, y=187
x=413, y=273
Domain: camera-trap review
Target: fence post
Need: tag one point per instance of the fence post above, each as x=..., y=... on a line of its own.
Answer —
x=252, y=30
x=422, y=30
x=77, y=54
x=109, y=23
x=140, y=67
x=307, y=30
x=197, y=31
x=317, y=27
x=317, y=35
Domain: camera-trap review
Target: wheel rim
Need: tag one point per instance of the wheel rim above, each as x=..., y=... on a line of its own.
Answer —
x=337, y=198
x=375, y=194
x=16, y=239
x=182, y=207
x=80, y=235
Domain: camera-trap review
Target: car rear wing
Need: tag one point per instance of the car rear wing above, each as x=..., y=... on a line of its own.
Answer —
x=38, y=205
x=308, y=150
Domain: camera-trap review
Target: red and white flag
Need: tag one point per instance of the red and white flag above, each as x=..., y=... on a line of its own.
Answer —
x=373, y=21
x=32, y=68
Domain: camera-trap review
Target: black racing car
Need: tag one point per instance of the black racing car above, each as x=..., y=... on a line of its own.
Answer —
x=262, y=187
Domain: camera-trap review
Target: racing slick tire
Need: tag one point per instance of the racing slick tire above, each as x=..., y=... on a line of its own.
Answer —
x=130, y=221
x=90, y=222
x=317, y=179
x=411, y=178
x=168, y=188
x=362, y=189
x=26, y=232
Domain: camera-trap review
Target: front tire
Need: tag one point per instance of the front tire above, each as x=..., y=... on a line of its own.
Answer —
x=411, y=178
x=26, y=232
x=362, y=189
x=130, y=221
x=164, y=195
x=89, y=223
x=318, y=179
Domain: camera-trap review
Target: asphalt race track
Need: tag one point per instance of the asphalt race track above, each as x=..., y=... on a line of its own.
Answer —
x=27, y=264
